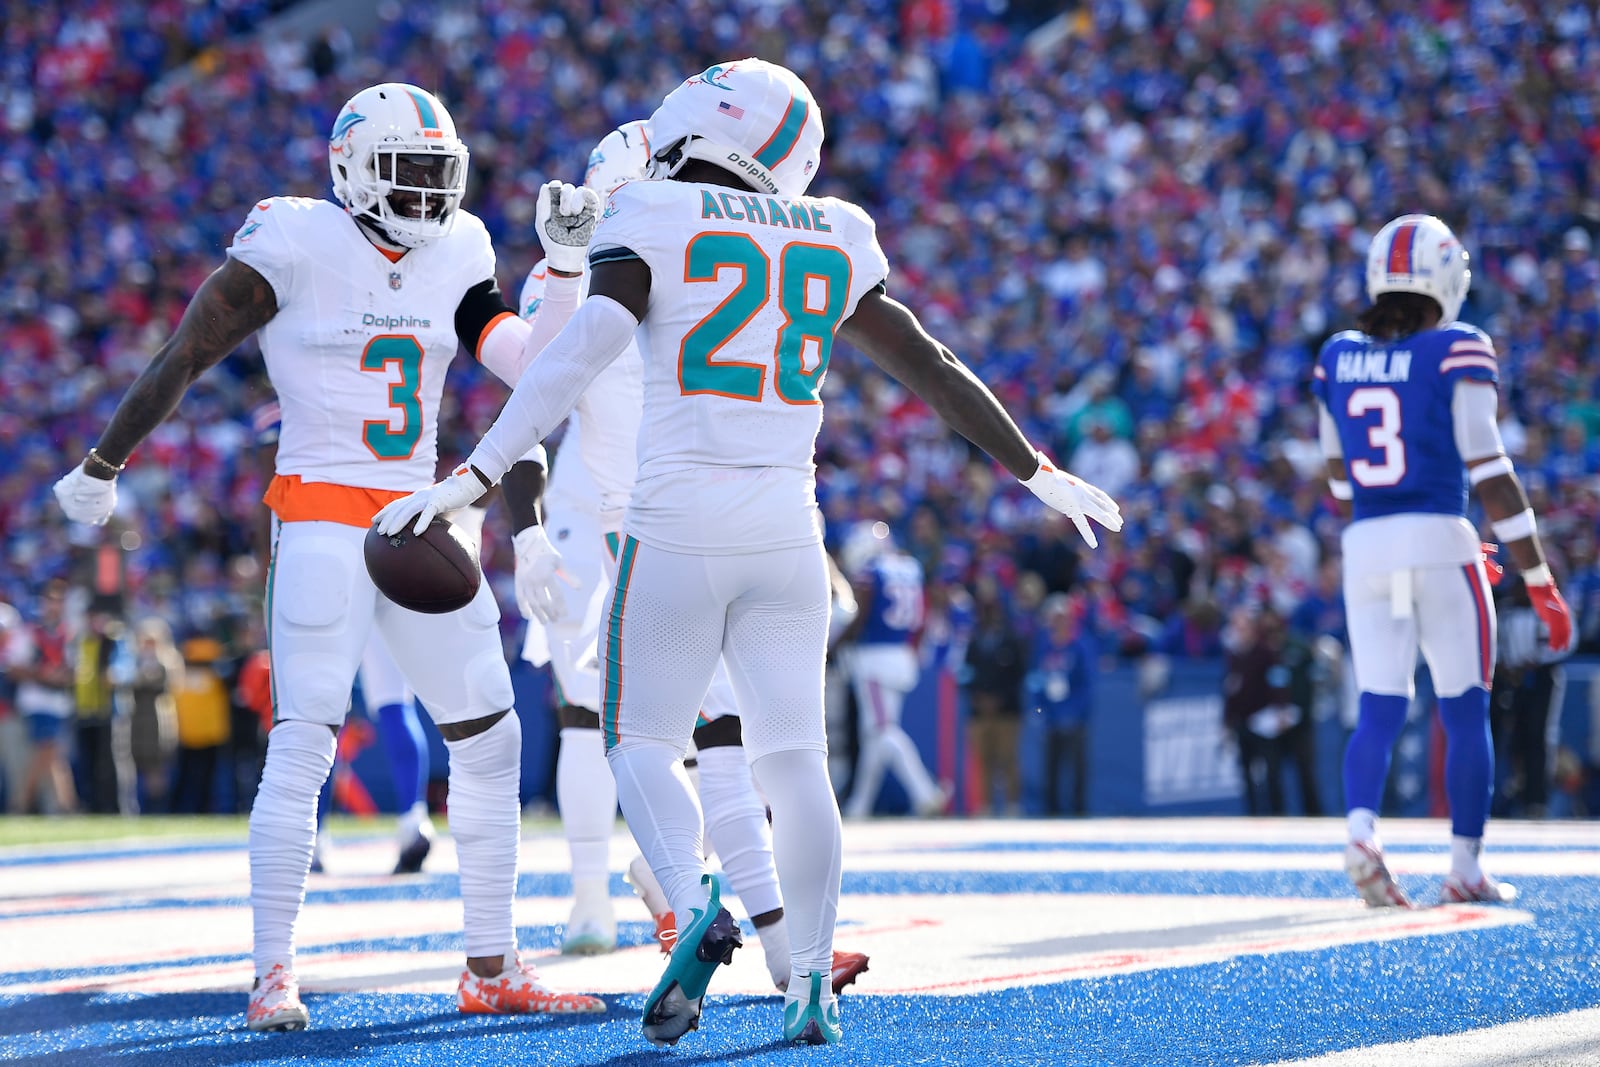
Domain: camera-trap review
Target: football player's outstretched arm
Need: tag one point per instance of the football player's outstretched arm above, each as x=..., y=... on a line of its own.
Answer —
x=230, y=305
x=891, y=336
x=597, y=334
x=591, y=340
x=1494, y=479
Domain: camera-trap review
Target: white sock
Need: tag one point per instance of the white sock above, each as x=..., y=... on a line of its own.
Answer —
x=906, y=762
x=591, y=888
x=486, y=822
x=663, y=814
x=774, y=939
x=587, y=796
x=644, y=880
x=737, y=829
x=1464, y=858
x=283, y=827
x=1363, y=824
x=412, y=820
x=806, y=844
x=869, y=776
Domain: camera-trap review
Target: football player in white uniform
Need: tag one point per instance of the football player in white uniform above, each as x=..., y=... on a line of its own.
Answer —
x=361, y=305
x=587, y=496
x=385, y=694
x=737, y=283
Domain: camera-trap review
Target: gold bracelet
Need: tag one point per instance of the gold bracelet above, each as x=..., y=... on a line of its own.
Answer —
x=114, y=468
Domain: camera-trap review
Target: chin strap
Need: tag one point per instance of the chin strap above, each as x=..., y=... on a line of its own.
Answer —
x=377, y=234
x=733, y=160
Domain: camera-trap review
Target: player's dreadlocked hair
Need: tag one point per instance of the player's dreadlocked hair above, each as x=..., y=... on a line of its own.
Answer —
x=1398, y=315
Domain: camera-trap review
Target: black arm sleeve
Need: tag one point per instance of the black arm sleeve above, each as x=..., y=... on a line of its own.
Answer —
x=612, y=254
x=523, y=489
x=481, y=305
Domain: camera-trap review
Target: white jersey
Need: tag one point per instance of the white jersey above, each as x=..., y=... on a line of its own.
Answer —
x=746, y=293
x=359, y=347
x=571, y=488
x=609, y=410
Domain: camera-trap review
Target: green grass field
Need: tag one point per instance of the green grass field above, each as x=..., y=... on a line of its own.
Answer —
x=19, y=830
x=79, y=829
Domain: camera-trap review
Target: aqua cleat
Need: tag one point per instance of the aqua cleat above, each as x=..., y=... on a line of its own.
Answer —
x=673, y=1008
x=807, y=1020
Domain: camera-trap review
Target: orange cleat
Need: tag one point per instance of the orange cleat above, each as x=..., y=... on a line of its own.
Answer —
x=517, y=991
x=275, y=1002
x=666, y=932
x=846, y=965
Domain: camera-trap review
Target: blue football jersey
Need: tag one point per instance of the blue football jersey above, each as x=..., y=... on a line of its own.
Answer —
x=267, y=422
x=895, y=614
x=1391, y=402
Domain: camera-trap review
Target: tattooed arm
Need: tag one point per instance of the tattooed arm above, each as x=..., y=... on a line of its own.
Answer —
x=230, y=305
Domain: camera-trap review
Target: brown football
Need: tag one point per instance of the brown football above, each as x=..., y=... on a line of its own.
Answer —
x=434, y=572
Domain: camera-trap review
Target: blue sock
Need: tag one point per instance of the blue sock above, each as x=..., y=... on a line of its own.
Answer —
x=1468, y=760
x=407, y=749
x=1366, y=757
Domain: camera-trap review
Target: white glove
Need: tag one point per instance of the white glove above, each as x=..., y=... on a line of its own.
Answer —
x=538, y=569
x=1074, y=498
x=85, y=498
x=457, y=491
x=565, y=220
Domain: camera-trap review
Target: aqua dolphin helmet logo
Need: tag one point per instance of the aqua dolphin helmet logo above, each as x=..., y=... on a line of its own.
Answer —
x=711, y=76
x=339, y=139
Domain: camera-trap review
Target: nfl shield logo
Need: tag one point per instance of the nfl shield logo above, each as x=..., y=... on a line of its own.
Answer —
x=394, y=279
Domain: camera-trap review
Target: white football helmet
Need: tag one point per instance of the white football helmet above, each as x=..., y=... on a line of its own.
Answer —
x=1419, y=254
x=865, y=543
x=753, y=118
x=622, y=155
x=396, y=161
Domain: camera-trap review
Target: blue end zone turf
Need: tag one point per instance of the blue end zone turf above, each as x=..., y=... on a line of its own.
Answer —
x=1141, y=992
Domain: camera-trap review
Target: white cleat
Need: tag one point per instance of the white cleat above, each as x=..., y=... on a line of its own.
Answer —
x=1485, y=890
x=275, y=1003
x=643, y=881
x=592, y=926
x=1364, y=864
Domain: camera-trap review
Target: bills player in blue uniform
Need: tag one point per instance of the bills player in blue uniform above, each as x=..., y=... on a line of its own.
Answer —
x=1408, y=426
x=883, y=668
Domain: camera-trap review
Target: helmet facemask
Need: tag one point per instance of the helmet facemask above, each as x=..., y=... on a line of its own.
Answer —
x=410, y=193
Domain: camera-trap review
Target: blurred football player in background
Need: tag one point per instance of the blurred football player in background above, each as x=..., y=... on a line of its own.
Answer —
x=739, y=283
x=588, y=493
x=1408, y=425
x=361, y=305
x=882, y=661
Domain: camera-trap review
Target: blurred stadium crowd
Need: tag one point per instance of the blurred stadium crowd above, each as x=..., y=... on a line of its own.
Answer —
x=1139, y=218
